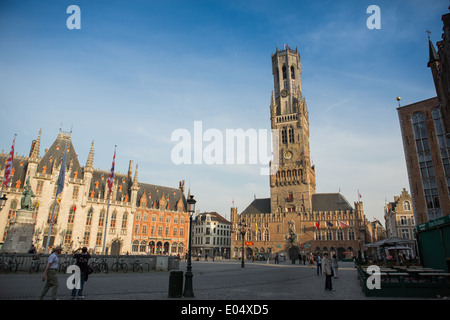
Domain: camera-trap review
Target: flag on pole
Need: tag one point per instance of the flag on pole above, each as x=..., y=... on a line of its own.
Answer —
x=62, y=175
x=9, y=165
x=329, y=224
x=359, y=195
x=111, y=174
x=317, y=225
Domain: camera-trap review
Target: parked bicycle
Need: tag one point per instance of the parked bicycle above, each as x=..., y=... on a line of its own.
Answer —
x=119, y=265
x=34, y=265
x=137, y=266
x=10, y=265
x=99, y=266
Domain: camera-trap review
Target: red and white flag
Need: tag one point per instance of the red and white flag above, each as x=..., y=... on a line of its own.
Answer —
x=317, y=225
x=111, y=174
x=342, y=224
x=9, y=165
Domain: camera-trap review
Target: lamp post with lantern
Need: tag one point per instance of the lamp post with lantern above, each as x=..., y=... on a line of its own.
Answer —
x=188, y=291
x=242, y=227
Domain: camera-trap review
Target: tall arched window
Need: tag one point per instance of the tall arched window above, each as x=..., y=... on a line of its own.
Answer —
x=55, y=214
x=89, y=216
x=113, y=219
x=283, y=136
x=291, y=134
x=284, y=72
x=444, y=144
x=426, y=166
x=101, y=218
x=292, y=72
x=71, y=217
x=124, y=220
x=406, y=206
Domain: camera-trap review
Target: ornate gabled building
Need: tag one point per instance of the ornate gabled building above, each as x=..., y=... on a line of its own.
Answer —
x=296, y=219
x=80, y=214
x=399, y=217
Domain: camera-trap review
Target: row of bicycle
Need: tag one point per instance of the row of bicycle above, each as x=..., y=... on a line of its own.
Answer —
x=10, y=264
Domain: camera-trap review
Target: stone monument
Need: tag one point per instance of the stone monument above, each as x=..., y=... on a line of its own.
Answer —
x=19, y=237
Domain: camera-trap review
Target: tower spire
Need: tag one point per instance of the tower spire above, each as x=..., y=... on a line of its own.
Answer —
x=34, y=154
x=90, y=159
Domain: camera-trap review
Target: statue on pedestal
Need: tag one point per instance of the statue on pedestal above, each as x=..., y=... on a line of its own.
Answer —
x=27, y=194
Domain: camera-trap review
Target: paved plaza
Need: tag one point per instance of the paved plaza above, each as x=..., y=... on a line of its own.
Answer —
x=218, y=280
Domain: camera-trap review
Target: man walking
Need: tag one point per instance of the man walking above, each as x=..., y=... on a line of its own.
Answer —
x=50, y=274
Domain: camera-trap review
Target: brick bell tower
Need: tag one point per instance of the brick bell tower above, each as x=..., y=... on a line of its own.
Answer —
x=292, y=186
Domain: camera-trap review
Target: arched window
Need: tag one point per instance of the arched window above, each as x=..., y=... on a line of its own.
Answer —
x=55, y=214
x=443, y=142
x=283, y=136
x=89, y=216
x=291, y=134
x=406, y=206
x=71, y=217
x=143, y=246
x=101, y=218
x=426, y=166
x=113, y=219
x=284, y=72
x=135, y=246
x=292, y=72
x=124, y=220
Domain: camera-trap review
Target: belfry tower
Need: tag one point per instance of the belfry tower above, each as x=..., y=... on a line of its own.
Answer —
x=292, y=186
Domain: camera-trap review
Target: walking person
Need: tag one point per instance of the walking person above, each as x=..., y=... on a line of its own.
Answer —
x=319, y=264
x=335, y=265
x=82, y=260
x=276, y=258
x=327, y=271
x=50, y=274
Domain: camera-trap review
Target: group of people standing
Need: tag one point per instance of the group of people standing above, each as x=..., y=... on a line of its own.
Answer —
x=329, y=267
x=82, y=259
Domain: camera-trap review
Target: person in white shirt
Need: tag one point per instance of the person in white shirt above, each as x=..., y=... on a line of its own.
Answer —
x=50, y=274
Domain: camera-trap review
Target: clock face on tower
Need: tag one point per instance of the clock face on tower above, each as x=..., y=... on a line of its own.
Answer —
x=284, y=93
x=287, y=155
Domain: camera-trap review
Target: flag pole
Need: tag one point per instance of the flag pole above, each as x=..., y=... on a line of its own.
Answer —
x=51, y=226
x=106, y=224
x=59, y=188
x=110, y=183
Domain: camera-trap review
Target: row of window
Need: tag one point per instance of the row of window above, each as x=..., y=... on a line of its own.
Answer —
x=143, y=231
x=144, y=217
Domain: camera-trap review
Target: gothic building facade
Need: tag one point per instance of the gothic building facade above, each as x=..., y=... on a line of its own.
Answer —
x=296, y=219
x=425, y=128
x=81, y=210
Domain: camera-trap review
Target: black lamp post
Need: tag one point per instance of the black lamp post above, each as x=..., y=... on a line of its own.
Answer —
x=188, y=291
x=242, y=227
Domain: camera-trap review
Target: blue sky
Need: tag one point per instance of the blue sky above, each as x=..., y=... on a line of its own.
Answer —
x=138, y=70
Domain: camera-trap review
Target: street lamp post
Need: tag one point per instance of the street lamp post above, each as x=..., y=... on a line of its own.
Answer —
x=242, y=226
x=188, y=291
